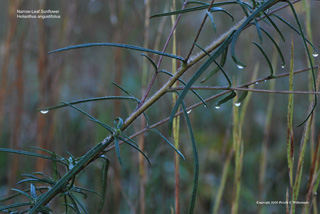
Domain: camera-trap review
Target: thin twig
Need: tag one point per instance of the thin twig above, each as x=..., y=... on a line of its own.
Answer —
x=199, y=31
x=161, y=57
x=163, y=121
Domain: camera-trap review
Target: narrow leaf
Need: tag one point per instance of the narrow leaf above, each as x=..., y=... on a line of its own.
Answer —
x=127, y=140
x=184, y=83
x=89, y=100
x=212, y=21
x=195, y=161
x=14, y=206
x=274, y=25
x=79, y=203
x=296, y=30
x=117, y=147
x=104, y=182
x=22, y=193
x=219, y=9
x=131, y=47
x=276, y=45
x=266, y=57
x=151, y=61
x=309, y=58
x=169, y=143
x=222, y=63
x=29, y=154
x=198, y=73
x=257, y=12
x=226, y=99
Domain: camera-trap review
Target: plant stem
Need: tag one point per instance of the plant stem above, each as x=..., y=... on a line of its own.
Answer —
x=199, y=31
x=161, y=57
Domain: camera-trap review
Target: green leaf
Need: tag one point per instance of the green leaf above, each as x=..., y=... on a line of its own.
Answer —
x=219, y=9
x=212, y=21
x=22, y=193
x=14, y=206
x=131, y=47
x=104, y=182
x=256, y=13
x=169, y=143
x=44, y=180
x=296, y=30
x=203, y=7
x=242, y=97
x=224, y=73
x=258, y=30
x=196, y=76
x=74, y=203
x=79, y=203
x=310, y=61
x=29, y=154
x=277, y=46
x=266, y=57
x=125, y=91
x=226, y=99
x=195, y=161
x=222, y=63
x=184, y=83
x=151, y=61
x=45, y=150
x=274, y=26
x=89, y=100
x=91, y=118
x=33, y=192
x=127, y=140
x=198, y=2
x=119, y=124
x=117, y=147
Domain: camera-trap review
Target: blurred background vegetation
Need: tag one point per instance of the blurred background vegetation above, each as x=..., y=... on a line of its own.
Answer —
x=31, y=79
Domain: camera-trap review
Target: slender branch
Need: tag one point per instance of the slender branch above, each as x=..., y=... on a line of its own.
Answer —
x=199, y=31
x=245, y=89
x=161, y=57
x=163, y=121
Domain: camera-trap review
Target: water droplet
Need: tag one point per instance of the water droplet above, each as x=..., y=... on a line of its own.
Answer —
x=240, y=66
x=44, y=111
x=257, y=83
x=265, y=80
x=188, y=112
x=237, y=104
x=283, y=66
x=315, y=54
x=205, y=106
x=217, y=106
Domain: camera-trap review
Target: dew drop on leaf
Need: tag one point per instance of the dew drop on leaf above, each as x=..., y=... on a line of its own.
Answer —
x=237, y=104
x=240, y=66
x=217, y=106
x=44, y=111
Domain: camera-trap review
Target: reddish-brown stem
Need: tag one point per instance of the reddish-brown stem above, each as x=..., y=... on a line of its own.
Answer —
x=199, y=31
x=161, y=57
x=163, y=121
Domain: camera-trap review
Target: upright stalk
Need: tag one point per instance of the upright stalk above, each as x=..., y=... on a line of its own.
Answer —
x=176, y=122
x=142, y=167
